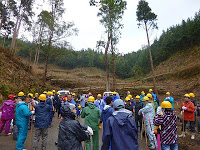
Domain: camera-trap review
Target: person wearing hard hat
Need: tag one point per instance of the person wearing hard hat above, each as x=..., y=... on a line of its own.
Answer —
x=187, y=108
x=170, y=99
x=153, y=101
x=42, y=110
x=49, y=102
x=99, y=103
x=128, y=105
x=22, y=115
x=154, y=96
x=131, y=100
x=138, y=118
x=8, y=113
x=142, y=95
x=36, y=97
x=71, y=133
x=148, y=112
x=168, y=123
x=120, y=129
x=92, y=115
x=107, y=111
x=128, y=93
x=115, y=96
x=70, y=99
x=55, y=100
x=19, y=97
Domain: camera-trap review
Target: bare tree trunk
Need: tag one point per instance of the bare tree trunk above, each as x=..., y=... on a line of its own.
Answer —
x=151, y=61
x=113, y=65
x=107, y=65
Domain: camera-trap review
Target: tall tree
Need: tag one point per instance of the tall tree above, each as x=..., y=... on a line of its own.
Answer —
x=147, y=19
x=111, y=12
x=24, y=14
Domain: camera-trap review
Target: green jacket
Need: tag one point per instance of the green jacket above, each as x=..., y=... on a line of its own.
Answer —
x=92, y=115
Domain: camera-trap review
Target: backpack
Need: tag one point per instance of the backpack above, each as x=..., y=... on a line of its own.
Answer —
x=8, y=110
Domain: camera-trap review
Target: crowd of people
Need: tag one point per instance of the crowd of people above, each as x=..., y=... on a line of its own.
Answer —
x=124, y=120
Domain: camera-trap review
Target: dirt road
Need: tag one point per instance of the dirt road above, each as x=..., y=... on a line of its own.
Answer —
x=7, y=143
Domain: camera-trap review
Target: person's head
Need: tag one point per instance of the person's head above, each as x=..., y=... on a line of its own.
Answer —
x=72, y=108
x=45, y=92
x=20, y=94
x=137, y=98
x=42, y=97
x=53, y=91
x=109, y=100
x=150, y=90
x=11, y=97
x=186, y=97
x=192, y=96
x=118, y=104
x=91, y=99
x=110, y=94
x=127, y=99
x=69, y=97
x=130, y=96
x=168, y=94
x=149, y=96
x=36, y=95
x=142, y=93
x=114, y=93
x=145, y=100
x=166, y=105
x=99, y=96
x=27, y=99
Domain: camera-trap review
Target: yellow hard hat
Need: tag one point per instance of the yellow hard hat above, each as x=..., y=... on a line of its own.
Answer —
x=91, y=99
x=150, y=90
x=99, y=95
x=149, y=95
x=114, y=93
x=129, y=92
x=89, y=93
x=36, y=94
x=187, y=95
x=42, y=97
x=30, y=94
x=166, y=104
x=127, y=99
x=145, y=98
x=53, y=91
x=142, y=92
x=45, y=92
x=21, y=94
x=168, y=93
x=57, y=93
x=137, y=96
x=130, y=96
x=73, y=94
x=79, y=106
x=191, y=95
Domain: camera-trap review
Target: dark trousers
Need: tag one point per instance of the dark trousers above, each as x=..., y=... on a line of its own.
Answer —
x=138, y=120
x=192, y=125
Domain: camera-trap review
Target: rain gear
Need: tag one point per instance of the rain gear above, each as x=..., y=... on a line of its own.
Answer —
x=189, y=112
x=8, y=113
x=171, y=100
x=71, y=133
x=22, y=116
x=115, y=98
x=141, y=96
x=100, y=104
x=148, y=111
x=42, y=111
x=92, y=115
x=51, y=113
x=121, y=130
x=106, y=113
x=138, y=118
x=155, y=97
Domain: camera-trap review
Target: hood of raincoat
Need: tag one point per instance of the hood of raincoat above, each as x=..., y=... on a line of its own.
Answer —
x=122, y=116
x=66, y=112
x=91, y=105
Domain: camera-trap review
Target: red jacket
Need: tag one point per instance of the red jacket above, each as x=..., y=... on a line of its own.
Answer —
x=189, y=113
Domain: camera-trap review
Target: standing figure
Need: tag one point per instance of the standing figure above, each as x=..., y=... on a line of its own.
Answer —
x=41, y=124
x=92, y=115
x=148, y=112
x=170, y=99
x=8, y=113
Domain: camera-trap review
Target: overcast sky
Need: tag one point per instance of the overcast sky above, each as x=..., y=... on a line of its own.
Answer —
x=170, y=12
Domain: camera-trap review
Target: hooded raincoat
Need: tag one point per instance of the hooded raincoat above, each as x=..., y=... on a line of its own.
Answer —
x=22, y=116
x=121, y=130
x=71, y=133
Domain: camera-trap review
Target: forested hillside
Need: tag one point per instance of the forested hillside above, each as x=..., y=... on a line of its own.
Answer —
x=177, y=38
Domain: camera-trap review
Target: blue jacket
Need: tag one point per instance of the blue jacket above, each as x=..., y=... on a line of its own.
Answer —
x=121, y=130
x=22, y=114
x=42, y=111
x=141, y=96
x=100, y=104
x=72, y=102
x=171, y=100
x=106, y=113
x=115, y=98
x=155, y=97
